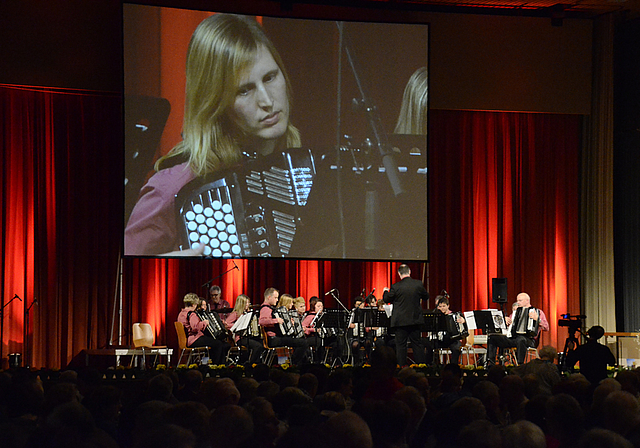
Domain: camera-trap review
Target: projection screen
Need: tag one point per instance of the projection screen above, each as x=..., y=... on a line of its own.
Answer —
x=314, y=146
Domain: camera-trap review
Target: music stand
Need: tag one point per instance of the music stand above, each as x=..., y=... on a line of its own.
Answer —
x=333, y=319
x=434, y=322
x=485, y=322
x=376, y=318
x=243, y=322
x=339, y=320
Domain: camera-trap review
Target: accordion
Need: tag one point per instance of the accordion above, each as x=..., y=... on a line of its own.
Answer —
x=253, y=212
x=216, y=328
x=291, y=325
x=455, y=329
x=523, y=324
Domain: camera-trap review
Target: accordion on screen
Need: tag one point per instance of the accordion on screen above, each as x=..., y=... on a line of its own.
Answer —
x=251, y=212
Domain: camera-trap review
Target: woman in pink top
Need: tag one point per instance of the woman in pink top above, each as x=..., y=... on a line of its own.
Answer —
x=243, y=338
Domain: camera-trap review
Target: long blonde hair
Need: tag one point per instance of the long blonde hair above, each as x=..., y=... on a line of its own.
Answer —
x=221, y=48
x=413, y=112
x=241, y=304
x=286, y=301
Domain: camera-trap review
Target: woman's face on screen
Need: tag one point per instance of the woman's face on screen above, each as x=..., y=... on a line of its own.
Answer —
x=261, y=107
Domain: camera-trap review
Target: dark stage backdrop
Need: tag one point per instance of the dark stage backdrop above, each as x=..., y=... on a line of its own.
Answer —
x=503, y=197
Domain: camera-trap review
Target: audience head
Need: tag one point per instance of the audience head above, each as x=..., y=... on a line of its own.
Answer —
x=523, y=434
x=479, y=434
x=599, y=438
x=234, y=422
x=621, y=412
x=548, y=353
x=308, y=383
x=565, y=418
x=346, y=429
x=192, y=416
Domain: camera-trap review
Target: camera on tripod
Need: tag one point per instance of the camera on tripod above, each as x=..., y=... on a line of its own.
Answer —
x=573, y=322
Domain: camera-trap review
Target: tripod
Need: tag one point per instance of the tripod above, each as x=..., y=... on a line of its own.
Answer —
x=570, y=344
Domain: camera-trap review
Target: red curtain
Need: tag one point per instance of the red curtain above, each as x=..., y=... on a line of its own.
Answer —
x=61, y=219
x=503, y=203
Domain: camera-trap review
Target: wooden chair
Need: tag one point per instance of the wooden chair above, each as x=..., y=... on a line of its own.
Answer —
x=475, y=346
x=143, y=339
x=182, y=343
x=442, y=355
x=532, y=352
x=271, y=354
x=509, y=356
x=236, y=354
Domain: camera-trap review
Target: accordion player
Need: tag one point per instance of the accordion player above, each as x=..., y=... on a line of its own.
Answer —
x=456, y=330
x=196, y=330
x=526, y=323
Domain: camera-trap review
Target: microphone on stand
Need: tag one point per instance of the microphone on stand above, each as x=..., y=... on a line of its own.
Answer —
x=16, y=296
x=329, y=292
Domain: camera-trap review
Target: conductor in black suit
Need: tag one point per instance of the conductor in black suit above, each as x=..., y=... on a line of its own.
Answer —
x=407, y=318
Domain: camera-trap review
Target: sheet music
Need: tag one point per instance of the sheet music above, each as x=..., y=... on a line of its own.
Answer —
x=471, y=320
x=498, y=320
x=388, y=308
x=242, y=323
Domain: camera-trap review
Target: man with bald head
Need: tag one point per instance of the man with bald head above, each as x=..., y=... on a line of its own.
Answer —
x=520, y=340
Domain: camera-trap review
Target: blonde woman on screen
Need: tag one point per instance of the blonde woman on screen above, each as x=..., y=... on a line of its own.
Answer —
x=238, y=102
x=413, y=112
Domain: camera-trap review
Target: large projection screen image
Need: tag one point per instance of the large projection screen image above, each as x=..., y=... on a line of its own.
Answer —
x=254, y=136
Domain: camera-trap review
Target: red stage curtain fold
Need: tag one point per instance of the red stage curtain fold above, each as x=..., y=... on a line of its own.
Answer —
x=62, y=218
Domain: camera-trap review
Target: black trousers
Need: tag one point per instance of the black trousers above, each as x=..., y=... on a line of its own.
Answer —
x=256, y=347
x=217, y=349
x=520, y=342
x=454, y=346
x=300, y=347
x=413, y=334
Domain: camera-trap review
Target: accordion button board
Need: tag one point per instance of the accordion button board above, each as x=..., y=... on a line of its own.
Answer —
x=252, y=212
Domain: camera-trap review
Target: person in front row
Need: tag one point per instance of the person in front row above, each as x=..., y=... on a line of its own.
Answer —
x=407, y=316
x=195, y=327
x=244, y=337
x=593, y=356
x=271, y=323
x=448, y=340
x=519, y=337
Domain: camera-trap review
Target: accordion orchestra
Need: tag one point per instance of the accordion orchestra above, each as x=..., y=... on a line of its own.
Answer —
x=352, y=334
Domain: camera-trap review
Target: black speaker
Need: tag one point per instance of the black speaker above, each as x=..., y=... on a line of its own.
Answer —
x=499, y=290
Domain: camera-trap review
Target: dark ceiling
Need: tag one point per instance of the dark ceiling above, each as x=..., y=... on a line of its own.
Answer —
x=537, y=8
